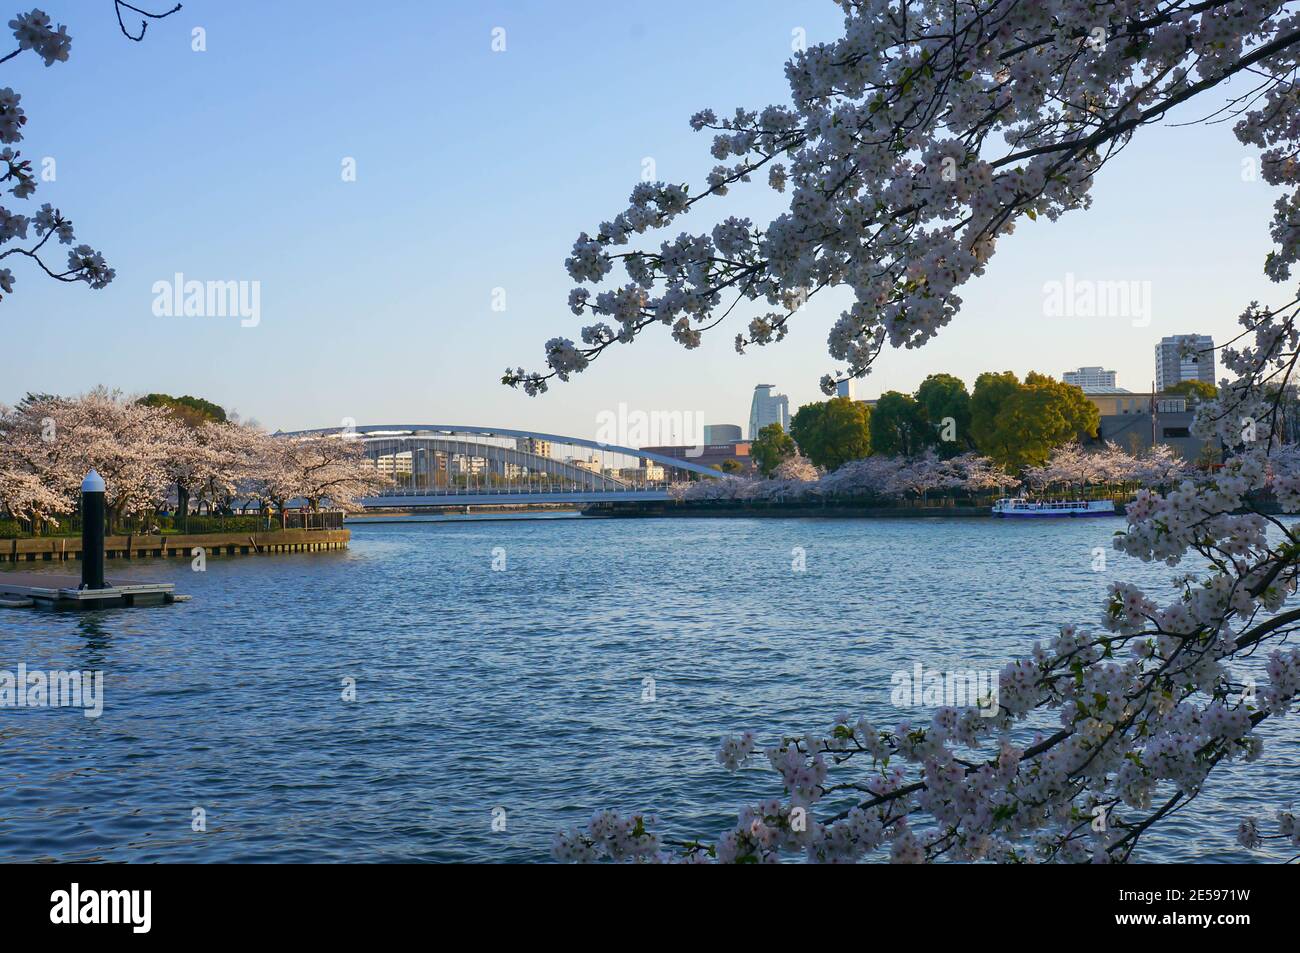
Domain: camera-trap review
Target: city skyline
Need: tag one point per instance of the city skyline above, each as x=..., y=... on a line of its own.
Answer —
x=400, y=301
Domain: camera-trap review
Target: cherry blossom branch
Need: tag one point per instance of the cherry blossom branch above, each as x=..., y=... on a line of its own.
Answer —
x=145, y=16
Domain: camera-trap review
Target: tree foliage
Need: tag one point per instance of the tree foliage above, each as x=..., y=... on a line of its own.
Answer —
x=194, y=411
x=833, y=432
x=900, y=426
x=944, y=398
x=1197, y=389
x=1020, y=424
x=772, y=447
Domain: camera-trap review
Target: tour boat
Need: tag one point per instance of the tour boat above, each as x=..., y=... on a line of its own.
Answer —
x=1019, y=506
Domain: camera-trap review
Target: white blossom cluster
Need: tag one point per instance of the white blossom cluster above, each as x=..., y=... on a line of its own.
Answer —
x=610, y=834
x=1073, y=466
x=898, y=477
x=34, y=31
x=910, y=145
x=736, y=751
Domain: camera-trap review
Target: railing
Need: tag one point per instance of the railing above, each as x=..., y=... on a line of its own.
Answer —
x=330, y=520
x=520, y=489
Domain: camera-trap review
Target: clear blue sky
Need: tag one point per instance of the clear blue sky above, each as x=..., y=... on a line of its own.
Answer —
x=476, y=170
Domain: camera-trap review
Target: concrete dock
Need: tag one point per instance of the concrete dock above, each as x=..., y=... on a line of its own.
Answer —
x=49, y=590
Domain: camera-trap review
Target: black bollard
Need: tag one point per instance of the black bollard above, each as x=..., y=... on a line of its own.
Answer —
x=92, y=531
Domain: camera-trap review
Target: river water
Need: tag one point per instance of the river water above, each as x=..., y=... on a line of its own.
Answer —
x=522, y=693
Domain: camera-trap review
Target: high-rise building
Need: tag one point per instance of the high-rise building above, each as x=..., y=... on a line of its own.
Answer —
x=1184, y=357
x=722, y=433
x=1089, y=378
x=768, y=408
x=844, y=388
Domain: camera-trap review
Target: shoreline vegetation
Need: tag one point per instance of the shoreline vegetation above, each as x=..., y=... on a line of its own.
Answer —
x=171, y=465
x=931, y=481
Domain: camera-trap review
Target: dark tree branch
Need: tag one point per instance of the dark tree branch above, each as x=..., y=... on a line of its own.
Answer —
x=145, y=15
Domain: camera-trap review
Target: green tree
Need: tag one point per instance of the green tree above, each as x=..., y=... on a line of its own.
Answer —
x=991, y=392
x=733, y=466
x=194, y=411
x=947, y=406
x=832, y=433
x=772, y=447
x=1019, y=425
x=1196, y=389
x=899, y=426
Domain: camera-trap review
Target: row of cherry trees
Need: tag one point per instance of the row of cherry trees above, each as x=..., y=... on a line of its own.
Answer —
x=1070, y=467
x=152, y=459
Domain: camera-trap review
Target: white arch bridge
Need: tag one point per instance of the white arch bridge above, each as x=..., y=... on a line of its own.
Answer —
x=444, y=465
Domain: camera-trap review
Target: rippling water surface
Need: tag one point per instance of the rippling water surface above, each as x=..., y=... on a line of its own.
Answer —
x=523, y=689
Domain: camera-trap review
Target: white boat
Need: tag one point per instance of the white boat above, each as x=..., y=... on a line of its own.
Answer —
x=1021, y=507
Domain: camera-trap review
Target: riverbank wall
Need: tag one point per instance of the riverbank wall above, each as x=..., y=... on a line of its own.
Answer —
x=832, y=509
x=789, y=509
x=68, y=548
x=719, y=508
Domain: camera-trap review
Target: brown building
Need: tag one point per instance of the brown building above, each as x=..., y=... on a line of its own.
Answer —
x=1136, y=421
x=710, y=454
x=1115, y=401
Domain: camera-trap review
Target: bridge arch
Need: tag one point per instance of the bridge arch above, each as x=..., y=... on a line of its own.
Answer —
x=431, y=429
x=427, y=452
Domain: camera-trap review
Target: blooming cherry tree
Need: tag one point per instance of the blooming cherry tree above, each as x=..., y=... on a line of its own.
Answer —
x=911, y=146
x=332, y=469
x=1074, y=466
x=25, y=495
x=797, y=468
x=150, y=458
x=131, y=446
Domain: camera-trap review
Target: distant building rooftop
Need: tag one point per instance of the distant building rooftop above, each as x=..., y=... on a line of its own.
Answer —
x=1106, y=390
